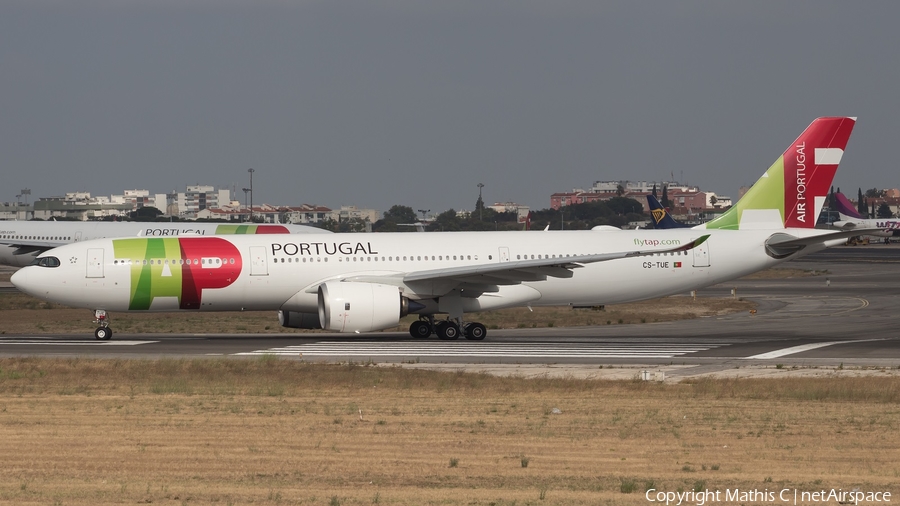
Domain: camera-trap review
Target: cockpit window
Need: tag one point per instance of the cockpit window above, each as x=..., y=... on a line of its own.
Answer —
x=46, y=262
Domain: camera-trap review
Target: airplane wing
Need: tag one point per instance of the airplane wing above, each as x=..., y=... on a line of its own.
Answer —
x=486, y=277
x=28, y=245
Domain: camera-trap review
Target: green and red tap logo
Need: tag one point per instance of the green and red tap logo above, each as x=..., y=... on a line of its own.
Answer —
x=177, y=267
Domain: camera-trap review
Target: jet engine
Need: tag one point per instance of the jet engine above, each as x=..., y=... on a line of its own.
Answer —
x=360, y=307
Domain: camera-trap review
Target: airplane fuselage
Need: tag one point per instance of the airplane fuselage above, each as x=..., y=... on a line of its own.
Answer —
x=22, y=241
x=283, y=272
x=888, y=228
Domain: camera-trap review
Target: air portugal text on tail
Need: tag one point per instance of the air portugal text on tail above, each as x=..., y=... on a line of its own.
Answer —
x=347, y=283
x=792, y=192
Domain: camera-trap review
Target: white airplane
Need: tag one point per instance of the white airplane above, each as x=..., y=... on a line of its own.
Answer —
x=851, y=219
x=22, y=241
x=367, y=282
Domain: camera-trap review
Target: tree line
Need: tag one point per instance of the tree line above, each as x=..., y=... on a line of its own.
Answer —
x=617, y=212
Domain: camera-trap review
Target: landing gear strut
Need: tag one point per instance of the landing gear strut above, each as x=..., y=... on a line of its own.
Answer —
x=103, y=332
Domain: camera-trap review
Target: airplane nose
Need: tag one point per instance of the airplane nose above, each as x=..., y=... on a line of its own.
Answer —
x=19, y=279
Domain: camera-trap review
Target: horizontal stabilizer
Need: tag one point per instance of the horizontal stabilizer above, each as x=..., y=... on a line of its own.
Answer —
x=781, y=245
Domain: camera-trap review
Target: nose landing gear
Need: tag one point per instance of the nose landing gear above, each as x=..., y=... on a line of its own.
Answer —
x=103, y=332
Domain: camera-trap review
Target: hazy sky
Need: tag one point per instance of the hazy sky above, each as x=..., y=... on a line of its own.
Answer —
x=415, y=103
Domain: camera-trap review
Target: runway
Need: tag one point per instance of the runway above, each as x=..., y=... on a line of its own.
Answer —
x=843, y=317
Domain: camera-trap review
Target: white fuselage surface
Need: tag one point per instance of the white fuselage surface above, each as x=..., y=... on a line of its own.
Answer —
x=282, y=272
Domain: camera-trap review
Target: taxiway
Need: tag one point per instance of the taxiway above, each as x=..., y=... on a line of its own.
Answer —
x=844, y=317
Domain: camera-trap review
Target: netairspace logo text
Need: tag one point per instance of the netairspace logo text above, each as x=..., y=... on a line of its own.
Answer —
x=783, y=496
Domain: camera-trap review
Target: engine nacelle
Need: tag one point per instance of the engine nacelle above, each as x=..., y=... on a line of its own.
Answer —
x=298, y=320
x=360, y=307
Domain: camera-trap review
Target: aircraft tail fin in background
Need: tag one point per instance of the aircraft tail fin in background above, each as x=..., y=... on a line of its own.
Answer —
x=661, y=218
x=792, y=192
x=845, y=208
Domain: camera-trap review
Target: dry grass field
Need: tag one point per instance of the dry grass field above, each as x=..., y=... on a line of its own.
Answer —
x=270, y=431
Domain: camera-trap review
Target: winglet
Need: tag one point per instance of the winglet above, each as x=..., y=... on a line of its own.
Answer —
x=697, y=242
x=792, y=192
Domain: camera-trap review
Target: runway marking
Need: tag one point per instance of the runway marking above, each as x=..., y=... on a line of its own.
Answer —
x=804, y=347
x=814, y=305
x=864, y=303
x=479, y=350
x=43, y=341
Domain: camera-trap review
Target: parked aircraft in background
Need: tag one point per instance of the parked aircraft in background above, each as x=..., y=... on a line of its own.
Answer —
x=851, y=219
x=845, y=208
x=22, y=241
x=661, y=218
x=367, y=282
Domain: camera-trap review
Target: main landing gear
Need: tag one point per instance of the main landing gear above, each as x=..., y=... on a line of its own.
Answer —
x=103, y=332
x=447, y=330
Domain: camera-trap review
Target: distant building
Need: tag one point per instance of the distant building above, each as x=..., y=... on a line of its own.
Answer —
x=14, y=211
x=79, y=206
x=195, y=199
x=305, y=214
x=266, y=213
x=512, y=207
x=347, y=213
x=640, y=186
x=563, y=199
x=893, y=204
x=692, y=199
x=236, y=214
x=140, y=199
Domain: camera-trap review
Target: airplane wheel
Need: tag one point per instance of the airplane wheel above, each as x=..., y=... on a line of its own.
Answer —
x=103, y=333
x=447, y=331
x=420, y=329
x=475, y=331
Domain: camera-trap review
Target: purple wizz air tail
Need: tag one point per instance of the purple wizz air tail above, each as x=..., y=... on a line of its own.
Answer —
x=845, y=208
